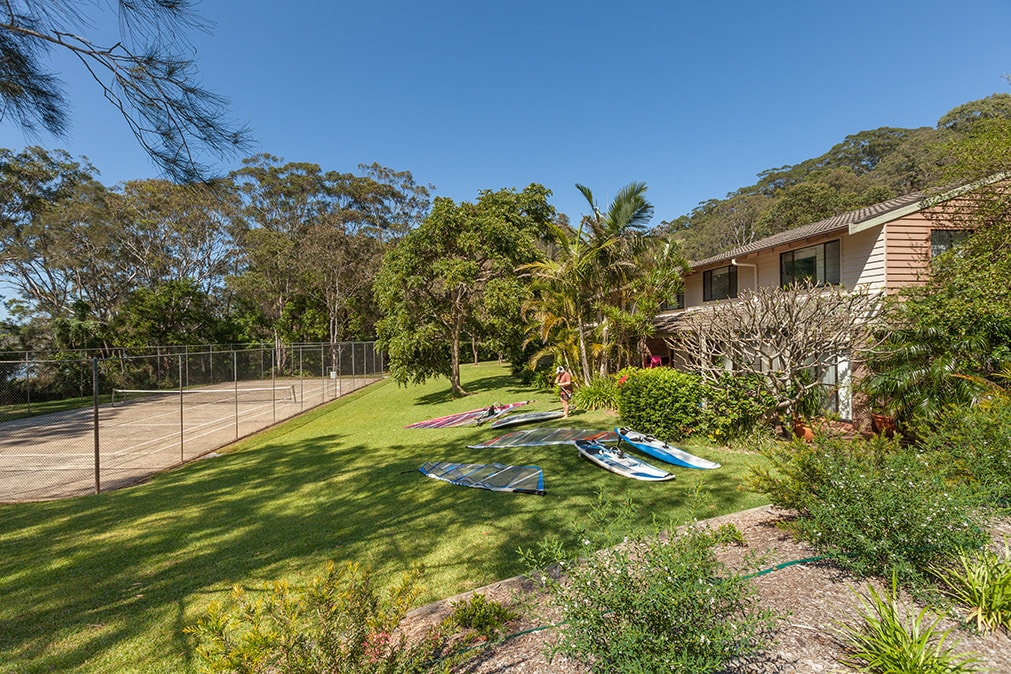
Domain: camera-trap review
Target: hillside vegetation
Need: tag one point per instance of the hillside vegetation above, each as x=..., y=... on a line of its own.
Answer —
x=863, y=169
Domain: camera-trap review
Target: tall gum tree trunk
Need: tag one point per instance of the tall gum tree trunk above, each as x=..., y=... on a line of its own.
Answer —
x=454, y=374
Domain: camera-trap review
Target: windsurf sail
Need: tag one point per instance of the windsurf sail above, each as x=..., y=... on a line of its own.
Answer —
x=491, y=476
x=470, y=418
x=525, y=418
x=536, y=437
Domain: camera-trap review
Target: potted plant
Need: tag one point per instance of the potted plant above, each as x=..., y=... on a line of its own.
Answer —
x=801, y=429
x=883, y=421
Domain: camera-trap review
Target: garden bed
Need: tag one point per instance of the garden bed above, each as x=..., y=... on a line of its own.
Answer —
x=811, y=596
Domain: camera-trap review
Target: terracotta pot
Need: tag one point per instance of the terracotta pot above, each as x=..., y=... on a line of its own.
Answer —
x=802, y=430
x=883, y=424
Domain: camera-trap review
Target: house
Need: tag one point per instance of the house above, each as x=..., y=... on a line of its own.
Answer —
x=881, y=248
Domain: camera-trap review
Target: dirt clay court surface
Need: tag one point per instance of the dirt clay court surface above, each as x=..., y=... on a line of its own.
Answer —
x=53, y=456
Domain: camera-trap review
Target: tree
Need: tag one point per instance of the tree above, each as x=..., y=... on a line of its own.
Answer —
x=965, y=116
x=595, y=296
x=144, y=75
x=559, y=310
x=75, y=250
x=785, y=337
x=435, y=284
x=312, y=241
x=173, y=312
x=172, y=232
x=46, y=199
x=959, y=321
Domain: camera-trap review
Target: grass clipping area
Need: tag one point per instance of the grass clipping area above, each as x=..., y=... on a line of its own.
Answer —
x=109, y=582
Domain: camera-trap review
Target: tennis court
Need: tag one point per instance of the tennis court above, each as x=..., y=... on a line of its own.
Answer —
x=137, y=432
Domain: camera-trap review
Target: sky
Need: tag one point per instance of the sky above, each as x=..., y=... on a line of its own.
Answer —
x=692, y=98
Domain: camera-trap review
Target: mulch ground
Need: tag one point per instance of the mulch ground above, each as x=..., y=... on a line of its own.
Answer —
x=812, y=597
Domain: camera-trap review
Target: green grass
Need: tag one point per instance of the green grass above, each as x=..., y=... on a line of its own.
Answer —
x=108, y=582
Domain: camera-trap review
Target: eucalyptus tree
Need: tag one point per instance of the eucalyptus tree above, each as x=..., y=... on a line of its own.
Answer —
x=145, y=73
x=171, y=232
x=45, y=199
x=311, y=242
x=444, y=279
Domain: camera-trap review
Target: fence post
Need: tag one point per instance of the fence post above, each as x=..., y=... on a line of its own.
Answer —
x=94, y=401
x=28, y=385
x=182, y=426
x=235, y=385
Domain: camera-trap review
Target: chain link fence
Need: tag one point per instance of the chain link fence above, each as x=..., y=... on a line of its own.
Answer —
x=90, y=422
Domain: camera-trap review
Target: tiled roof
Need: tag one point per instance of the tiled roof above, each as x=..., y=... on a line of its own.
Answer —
x=825, y=226
x=666, y=323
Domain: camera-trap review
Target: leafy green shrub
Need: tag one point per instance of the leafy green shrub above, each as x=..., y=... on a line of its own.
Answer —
x=876, y=506
x=885, y=643
x=975, y=444
x=675, y=405
x=734, y=407
x=337, y=623
x=600, y=394
x=981, y=582
x=651, y=605
x=663, y=402
x=487, y=618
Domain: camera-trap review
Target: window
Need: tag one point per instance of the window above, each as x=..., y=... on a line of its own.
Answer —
x=943, y=239
x=678, y=303
x=719, y=284
x=817, y=264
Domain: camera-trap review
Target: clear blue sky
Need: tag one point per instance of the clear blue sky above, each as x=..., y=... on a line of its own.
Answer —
x=694, y=98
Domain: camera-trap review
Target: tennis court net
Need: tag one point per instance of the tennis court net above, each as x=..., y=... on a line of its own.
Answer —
x=203, y=396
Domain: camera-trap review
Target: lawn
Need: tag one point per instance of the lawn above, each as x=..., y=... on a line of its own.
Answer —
x=108, y=582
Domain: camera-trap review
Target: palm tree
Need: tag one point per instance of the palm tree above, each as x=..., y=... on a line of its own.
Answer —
x=622, y=227
x=559, y=310
x=597, y=294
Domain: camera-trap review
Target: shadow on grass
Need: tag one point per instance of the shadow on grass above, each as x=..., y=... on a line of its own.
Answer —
x=507, y=384
x=108, y=582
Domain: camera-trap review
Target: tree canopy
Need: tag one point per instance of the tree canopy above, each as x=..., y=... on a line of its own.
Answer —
x=144, y=74
x=453, y=275
x=281, y=251
x=864, y=168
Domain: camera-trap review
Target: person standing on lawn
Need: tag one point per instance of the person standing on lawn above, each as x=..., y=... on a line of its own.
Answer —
x=564, y=382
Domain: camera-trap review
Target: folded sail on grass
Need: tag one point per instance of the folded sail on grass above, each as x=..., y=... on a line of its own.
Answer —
x=536, y=437
x=491, y=476
x=469, y=418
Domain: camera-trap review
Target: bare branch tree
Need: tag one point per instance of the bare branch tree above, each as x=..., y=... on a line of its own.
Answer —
x=145, y=76
x=783, y=335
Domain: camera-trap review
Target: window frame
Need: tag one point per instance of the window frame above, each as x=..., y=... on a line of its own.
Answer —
x=707, y=283
x=830, y=250
x=950, y=233
x=679, y=303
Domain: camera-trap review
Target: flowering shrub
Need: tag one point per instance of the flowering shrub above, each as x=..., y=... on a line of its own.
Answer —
x=974, y=445
x=876, y=506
